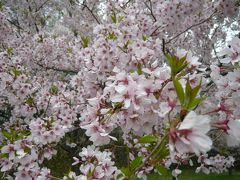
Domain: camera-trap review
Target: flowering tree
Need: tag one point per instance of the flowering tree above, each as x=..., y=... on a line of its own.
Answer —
x=159, y=78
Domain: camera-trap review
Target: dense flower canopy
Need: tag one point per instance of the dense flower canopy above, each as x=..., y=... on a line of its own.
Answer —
x=159, y=78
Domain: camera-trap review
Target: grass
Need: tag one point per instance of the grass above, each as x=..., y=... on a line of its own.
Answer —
x=191, y=175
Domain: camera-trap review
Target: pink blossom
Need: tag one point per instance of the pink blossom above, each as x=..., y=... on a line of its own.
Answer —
x=190, y=136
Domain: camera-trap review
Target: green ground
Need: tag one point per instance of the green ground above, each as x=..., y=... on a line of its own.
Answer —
x=191, y=175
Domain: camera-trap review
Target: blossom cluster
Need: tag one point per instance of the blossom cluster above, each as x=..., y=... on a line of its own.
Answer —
x=216, y=164
x=95, y=164
x=154, y=77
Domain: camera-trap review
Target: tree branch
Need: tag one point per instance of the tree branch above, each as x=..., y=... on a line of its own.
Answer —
x=41, y=6
x=151, y=154
x=123, y=6
x=151, y=9
x=194, y=25
x=56, y=69
x=16, y=24
x=93, y=15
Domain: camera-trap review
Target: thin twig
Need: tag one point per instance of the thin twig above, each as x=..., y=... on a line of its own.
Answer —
x=41, y=6
x=123, y=6
x=169, y=116
x=48, y=105
x=190, y=27
x=219, y=135
x=151, y=154
x=53, y=177
x=16, y=25
x=215, y=52
x=151, y=9
x=155, y=30
x=56, y=69
x=93, y=15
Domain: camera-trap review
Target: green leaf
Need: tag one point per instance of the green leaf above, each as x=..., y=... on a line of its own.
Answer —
x=4, y=155
x=1, y=6
x=85, y=41
x=169, y=59
x=25, y=132
x=54, y=90
x=196, y=90
x=180, y=64
x=40, y=39
x=29, y=101
x=176, y=64
x=148, y=139
x=7, y=134
x=126, y=171
x=162, y=152
x=190, y=95
x=120, y=18
x=157, y=94
x=15, y=72
x=10, y=51
x=182, y=60
x=139, y=69
x=111, y=35
x=161, y=169
x=195, y=102
x=188, y=91
x=69, y=50
x=18, y=137
x=120, y=176
x=136, y=162
x=114, y=18
x=181, y=67
x=43, y=21
x=179, y=91
x=145, y=38
x=125, y=46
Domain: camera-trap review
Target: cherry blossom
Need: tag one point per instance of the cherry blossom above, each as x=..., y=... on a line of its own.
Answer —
x=190, y=136
x=145, y=76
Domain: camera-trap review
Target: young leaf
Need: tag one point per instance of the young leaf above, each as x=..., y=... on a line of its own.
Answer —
x=169, y=59
x=10, y=51
x=139, y=69
x=144, y=37
x=85, y=41
x=30, y=101
x=181, y=67
x=125, y=46
x=126, y=171
x=15, y=72
x=195, y=102
x=188, y=91
x=179, y=91
x=136, y=162
x=111, y=35
x=114, y=18
x=4, y=155
x=7, y=134
x=161, y=169
x=148, y=139
x=54, y=90
x=196, y=90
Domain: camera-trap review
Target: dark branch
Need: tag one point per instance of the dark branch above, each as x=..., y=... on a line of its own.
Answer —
x=93, y=15
x=41, y=6
x=151, y=9
x=153, y=33
x=123, y=6
x=16, y=24
x=56, y=69
x=190, y=27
